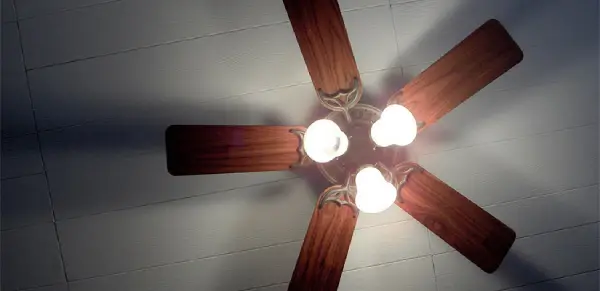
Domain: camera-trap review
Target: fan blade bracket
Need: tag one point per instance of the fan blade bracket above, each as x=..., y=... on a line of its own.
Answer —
x=400, y=176
x=342, y=100
x=342, y=195
x=304, y=159
x=395, y=99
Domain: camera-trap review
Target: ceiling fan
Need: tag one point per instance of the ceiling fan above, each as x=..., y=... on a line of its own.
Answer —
x=358, y=147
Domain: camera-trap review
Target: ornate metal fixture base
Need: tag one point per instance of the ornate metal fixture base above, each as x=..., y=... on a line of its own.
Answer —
x=303, y=156
x=403, y=170
x=361, y=149
x=343, y=100
x=341, y=195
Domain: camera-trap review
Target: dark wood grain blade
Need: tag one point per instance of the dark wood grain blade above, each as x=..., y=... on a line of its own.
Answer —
x=476, y=234
x=323, y=254
x=214, y=149
x=479, y=59
x=324, y=43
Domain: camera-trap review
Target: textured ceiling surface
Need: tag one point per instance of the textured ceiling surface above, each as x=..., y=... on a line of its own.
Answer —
x=88, y=88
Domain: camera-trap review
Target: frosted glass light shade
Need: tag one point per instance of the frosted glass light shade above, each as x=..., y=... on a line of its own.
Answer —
x=397, y=126
x=373, y=193
x=324, y=141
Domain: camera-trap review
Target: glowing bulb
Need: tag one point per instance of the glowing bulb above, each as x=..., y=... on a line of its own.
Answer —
x=324, y=141
x=396, y=126
x=373, y=193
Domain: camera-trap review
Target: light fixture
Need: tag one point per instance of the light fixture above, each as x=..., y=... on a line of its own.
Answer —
x=373, y=193
x=324, y=141
x=396, y=126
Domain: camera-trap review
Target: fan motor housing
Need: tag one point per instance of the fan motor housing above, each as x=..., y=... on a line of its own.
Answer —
x=361, y=149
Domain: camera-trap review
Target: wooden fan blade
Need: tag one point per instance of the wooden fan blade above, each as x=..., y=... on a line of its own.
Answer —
x=214, y=149
x=324, y=43
x=476, y=234
x=479, y=59
x=323, y=254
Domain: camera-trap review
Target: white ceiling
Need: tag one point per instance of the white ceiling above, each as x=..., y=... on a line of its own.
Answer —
x=106, y=77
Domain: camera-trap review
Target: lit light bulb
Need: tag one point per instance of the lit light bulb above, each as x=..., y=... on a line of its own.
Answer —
x=324, y=141
x=373, y=193
x=396, y=126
